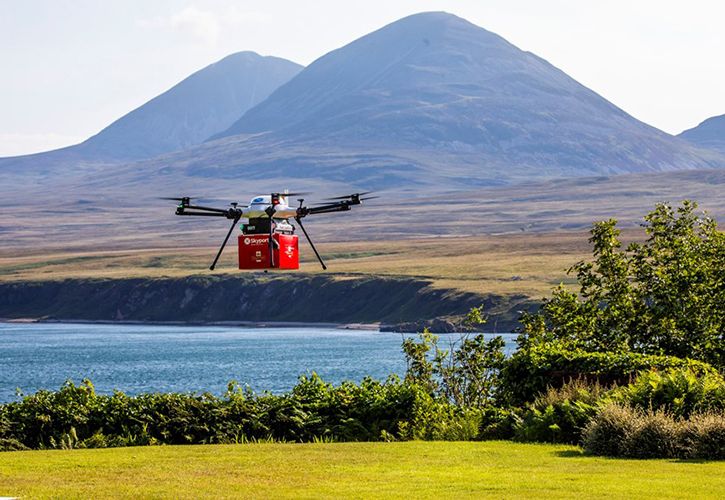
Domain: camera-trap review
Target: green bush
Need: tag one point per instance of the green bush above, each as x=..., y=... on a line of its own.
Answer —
x=704, y=436
x=560, y=415
x=498, y=423
x=607, y=433
x=623, y=431
x=680, y=392
x=466, y=374
x=655, y=434
x=78, y=417
x=664, y=296
x=9, y=444
x=530, y=371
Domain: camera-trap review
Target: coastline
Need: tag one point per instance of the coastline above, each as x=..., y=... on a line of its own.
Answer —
x=239, y=324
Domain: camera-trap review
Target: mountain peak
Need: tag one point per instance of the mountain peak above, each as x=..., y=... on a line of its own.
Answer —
x=203, y=103
x=430, y=19
x=436, y=82
x=708, y=134
x=420, y=55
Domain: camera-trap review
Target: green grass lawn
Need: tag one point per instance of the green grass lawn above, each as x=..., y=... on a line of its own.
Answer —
x=403, y=470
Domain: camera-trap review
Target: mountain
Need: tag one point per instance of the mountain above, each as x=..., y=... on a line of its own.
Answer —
x=463, y=132
x=430, y=103
x=203, y=104
x=708, y=134
x=486, y=110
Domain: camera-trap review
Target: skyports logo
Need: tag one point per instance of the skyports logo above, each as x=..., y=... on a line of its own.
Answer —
x=255, y=241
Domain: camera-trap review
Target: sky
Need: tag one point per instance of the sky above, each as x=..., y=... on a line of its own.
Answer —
x=71, y=67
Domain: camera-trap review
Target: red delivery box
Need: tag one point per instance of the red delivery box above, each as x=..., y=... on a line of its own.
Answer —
x=254, y=251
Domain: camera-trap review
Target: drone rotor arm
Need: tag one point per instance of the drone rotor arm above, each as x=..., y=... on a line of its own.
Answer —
x=204, y=214
x=342, y=206
x=207, y=209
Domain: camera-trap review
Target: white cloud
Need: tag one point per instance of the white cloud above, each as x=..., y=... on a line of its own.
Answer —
x=200, y=24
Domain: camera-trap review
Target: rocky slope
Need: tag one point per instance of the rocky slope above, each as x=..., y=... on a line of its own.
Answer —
x=257, y=299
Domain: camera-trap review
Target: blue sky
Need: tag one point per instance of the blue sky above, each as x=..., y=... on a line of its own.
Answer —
x=69, y=68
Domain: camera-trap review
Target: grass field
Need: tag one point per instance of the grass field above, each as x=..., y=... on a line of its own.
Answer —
x=529, y=264
x=361, y=470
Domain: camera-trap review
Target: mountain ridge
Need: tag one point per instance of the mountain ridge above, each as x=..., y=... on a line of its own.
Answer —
x=427, y=103
x=708, y=134
x=186, y=114
x=455, y=88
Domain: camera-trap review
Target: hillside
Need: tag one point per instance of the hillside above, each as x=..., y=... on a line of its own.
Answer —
x=298, y=298
x=429, y=102
x=482, y=109
x=203, y=104
x=462, y=132
x=709, y=134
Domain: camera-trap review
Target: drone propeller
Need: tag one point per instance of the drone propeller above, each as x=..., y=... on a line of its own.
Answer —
x=354, y=195
x=182, y=199
x=360, y=199
x=290, y=194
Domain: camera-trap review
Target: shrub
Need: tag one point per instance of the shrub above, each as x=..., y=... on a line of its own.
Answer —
x=664, y=296
x=466, y=374
x=560, y=415
x=704, y=436
x=48, y=418
x=436, y=419
x=608, y=432
x=680, y=392
x=77, y=417
x=622, y=431
x=655, y=434
x=9, y=444
x=528, y=372
x=498, y=423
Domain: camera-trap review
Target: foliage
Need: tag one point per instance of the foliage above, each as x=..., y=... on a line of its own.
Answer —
x=608, y=432
x=466, y=374
x=655, y=434
x=530, y=371
x=679, y=392
x=665, y=296
x=560, y=415
x=704, y=436
x=623, y=431
x=498, y=423
x=77, y=417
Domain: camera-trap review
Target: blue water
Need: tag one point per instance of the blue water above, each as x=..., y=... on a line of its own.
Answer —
x=144, y=358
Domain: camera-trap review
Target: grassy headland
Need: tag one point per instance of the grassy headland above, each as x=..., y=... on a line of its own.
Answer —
x=528, y=264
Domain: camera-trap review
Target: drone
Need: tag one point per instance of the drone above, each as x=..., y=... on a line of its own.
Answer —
x=268, y=240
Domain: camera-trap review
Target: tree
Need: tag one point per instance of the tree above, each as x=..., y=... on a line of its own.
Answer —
x=665, y=295
x=466, y=374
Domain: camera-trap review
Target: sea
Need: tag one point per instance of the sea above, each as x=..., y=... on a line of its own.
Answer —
x=151, y=358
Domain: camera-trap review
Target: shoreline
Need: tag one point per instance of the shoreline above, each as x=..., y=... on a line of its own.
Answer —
x=239, y=324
